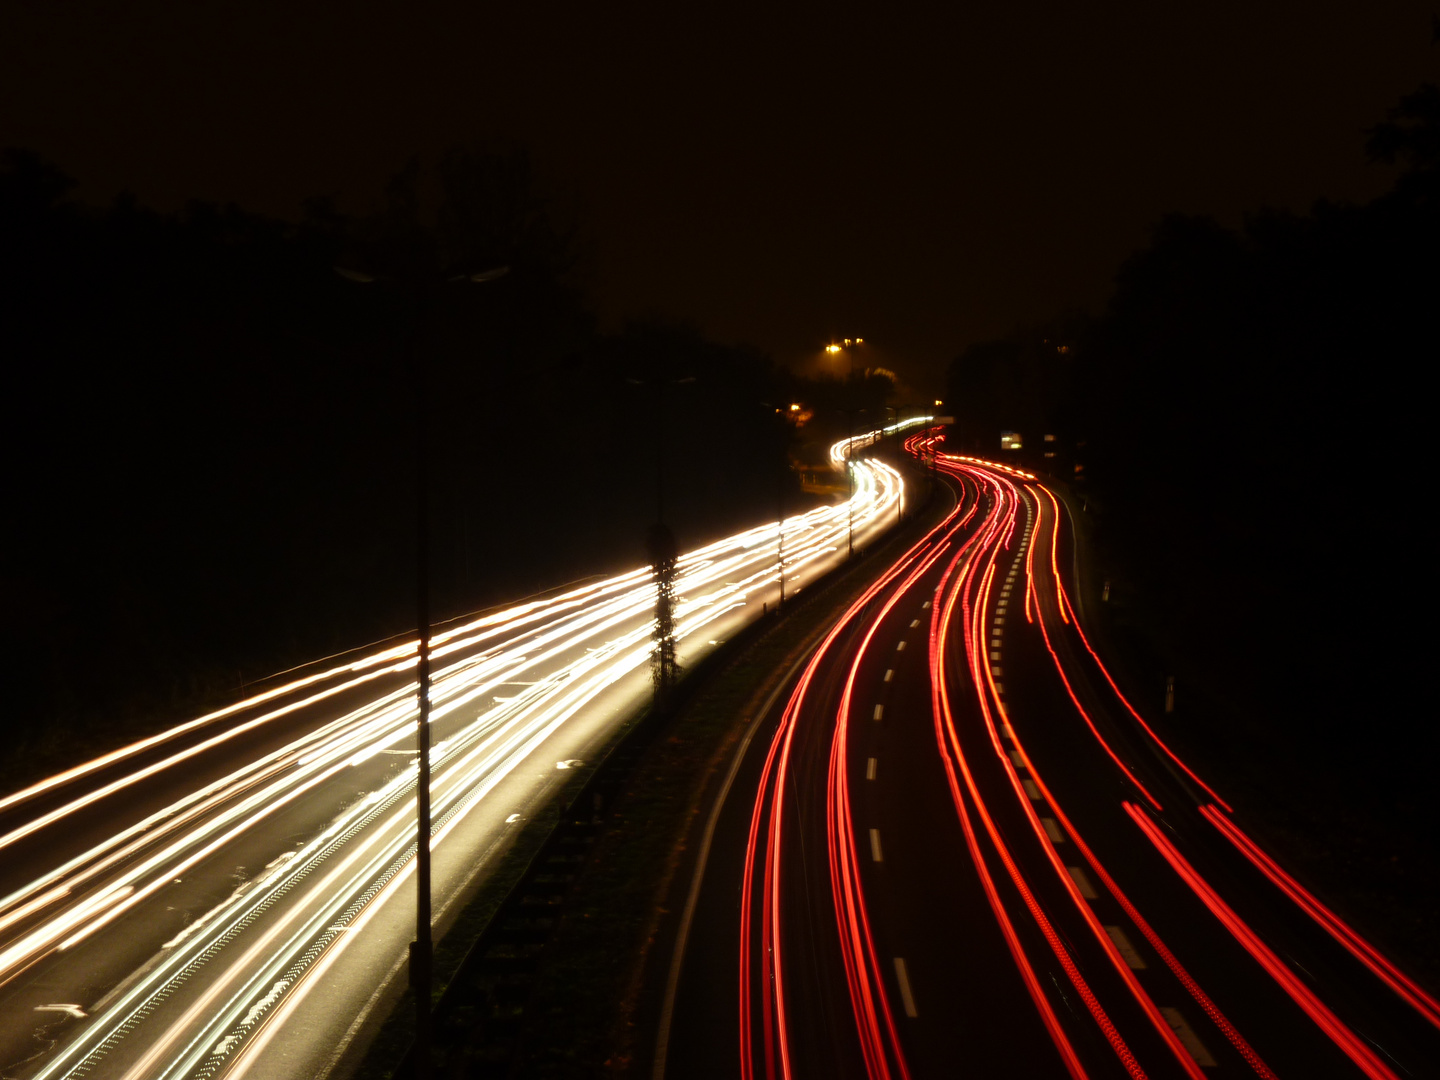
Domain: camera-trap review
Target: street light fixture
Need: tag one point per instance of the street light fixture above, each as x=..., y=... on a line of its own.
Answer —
x=848, y=346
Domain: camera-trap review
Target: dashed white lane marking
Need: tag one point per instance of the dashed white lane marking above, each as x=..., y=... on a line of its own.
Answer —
x=889, y=674
x=1052, y=830
x=1005, y=591
x=1031, y=789
x=999, y=687
x=997, y=672
x=995, y=655
x=875, y=845
x=999, y=620
x=903, y=978
x=879, y=712
x=1077, y=875
x=1122, y=944
x=1016, y=759
x=914, y=623
x=900, y=647
x=1188, y=1038
x=870, y=769
x=512, y=819
x=925, y=606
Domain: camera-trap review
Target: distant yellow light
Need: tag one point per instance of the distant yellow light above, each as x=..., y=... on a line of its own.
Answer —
x=794, y=408
x=859, y=341
x=938, y=403
x=832, y=348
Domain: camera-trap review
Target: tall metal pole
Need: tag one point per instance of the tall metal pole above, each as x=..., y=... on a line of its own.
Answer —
x=422, y=948
x=780, y=507
x=849, y=466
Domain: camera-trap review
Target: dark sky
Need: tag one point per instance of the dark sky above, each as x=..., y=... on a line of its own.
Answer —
x=923, y=175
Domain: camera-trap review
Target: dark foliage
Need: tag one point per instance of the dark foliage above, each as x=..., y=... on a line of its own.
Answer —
x=1248, y=419
x=210, y=433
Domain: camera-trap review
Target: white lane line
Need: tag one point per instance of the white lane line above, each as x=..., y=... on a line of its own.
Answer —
x=870, y=769
x=997, y=672
x=512, y=819
x=1082, y=882
x=875, y=845
x=995, y=655
x=999, y=687
x=889, y=674
x=914, y=623
x=1052, y=830
x=1031, y=789
x=903, y=978
x=925, y=606
x=999, y=620
x=900, y=647
x=1016, y=759
x=1188, y=1038
x=1122, y=944
x=879, y=712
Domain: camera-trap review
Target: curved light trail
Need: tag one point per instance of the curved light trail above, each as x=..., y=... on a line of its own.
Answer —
x=503, y=684
x=1035, y=760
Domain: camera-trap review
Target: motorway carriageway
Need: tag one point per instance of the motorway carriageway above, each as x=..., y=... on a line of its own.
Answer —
x=234, y=896
x=954, y=847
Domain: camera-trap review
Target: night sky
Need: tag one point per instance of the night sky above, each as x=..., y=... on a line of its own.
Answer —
x=922, y=175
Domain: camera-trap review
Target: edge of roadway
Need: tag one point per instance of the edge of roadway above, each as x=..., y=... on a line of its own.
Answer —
x=562, y=961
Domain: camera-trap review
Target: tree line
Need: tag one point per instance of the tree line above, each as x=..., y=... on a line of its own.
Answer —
x=1247, y=422
x=211, y=433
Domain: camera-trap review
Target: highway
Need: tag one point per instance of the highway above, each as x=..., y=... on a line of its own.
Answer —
x=234, y=896
x=954, y=847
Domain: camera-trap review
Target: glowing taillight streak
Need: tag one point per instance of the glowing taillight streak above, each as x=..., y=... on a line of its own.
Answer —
x=863, y=969
x=767, y=820
x=1085, y=714
x=1353, y=1045
x=950, y=755
x=1332, y=924
x=1064, y=601
x=1067, y=882
x=975, y=643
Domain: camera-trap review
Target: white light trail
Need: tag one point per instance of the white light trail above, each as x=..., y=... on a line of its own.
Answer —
x=558, y=653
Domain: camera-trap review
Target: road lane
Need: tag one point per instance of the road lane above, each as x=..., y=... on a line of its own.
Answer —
x=962, y=849
x=190, y=901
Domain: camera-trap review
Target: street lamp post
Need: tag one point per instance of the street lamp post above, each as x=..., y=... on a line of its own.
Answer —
x=422, y=948
x=663, y=553
x=849, y=348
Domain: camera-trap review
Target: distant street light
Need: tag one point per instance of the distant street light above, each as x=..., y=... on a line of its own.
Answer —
x=422, y=949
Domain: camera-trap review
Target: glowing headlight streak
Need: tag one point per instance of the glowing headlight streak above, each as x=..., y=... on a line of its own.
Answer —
x=502, y=738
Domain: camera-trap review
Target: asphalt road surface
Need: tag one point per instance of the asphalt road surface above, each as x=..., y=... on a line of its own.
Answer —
x=235, y=896
x=956, y=849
